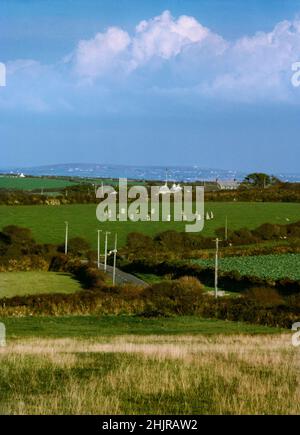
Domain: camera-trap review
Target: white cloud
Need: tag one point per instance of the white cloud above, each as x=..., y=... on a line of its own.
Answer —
x=96, y=56
x=160, y=37
x=259, y=66
x=165, y=37
x=251, y=67
x=166, y=53
x=29, y=67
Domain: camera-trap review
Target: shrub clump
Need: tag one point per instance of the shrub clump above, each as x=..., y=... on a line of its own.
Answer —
x=265, y=296
x=180, y=296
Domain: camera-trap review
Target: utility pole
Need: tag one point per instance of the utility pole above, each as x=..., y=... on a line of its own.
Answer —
x=105, y=253
x=216, y=267
x=115, y=258
x=99, y=240
x=66, y=237
x=226, y=228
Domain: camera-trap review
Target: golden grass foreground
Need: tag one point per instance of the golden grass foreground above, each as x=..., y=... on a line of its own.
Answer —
x=235, y=374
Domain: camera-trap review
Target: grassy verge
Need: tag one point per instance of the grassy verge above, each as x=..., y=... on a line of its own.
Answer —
x=150, y=278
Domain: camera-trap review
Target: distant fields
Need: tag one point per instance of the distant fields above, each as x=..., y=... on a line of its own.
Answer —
x=7, y=182
x=47, y=222
x=27, y=283
x=262, y=266
x=34, y=183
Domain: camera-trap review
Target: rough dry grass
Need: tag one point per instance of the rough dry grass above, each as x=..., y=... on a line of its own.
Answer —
x=155, y=374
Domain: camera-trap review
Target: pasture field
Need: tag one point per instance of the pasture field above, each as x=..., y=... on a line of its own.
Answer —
x=33, y=183
x=262, y=266
x=109, y=326
x=28, y=183
x=47, y=222
x=27, y=283
x=113, y=182
x=169, y=366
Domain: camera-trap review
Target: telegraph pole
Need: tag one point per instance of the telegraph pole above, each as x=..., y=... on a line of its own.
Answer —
x=99, y=240
x=105, y=254
x=216, y=268
x=115, y=258
x=226, y=228
x=66, y=237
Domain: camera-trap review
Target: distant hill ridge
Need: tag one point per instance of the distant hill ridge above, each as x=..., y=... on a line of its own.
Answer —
x=174, y=173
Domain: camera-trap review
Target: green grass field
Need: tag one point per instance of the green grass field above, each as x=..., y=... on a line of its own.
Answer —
x=28, y=183
x=34, y=183
x=110, y=326
x=47, y=222
x=263, y=266
x=26, y=283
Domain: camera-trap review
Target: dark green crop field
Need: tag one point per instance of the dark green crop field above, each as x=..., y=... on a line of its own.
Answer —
x=263, y=266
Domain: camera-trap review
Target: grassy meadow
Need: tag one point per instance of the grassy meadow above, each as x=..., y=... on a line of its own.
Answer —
x=28, y=183
x=151, y=374
x=47, y=222
x=95, y=327
x=37, y=183
x=37, y=282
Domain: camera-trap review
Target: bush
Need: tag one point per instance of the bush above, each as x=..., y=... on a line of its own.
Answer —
x=293, y=230
x=179, y=296
x=86, y=274
x=77, y=246
x=244, y=236
x=16, y=241
x=59, y=263
x=89, y=277
x=139, y=242
x=270, y=231
x=19, y=235
x=24, y=264
x=264, y=296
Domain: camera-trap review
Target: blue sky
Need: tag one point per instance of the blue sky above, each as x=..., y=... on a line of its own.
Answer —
x=158, y=82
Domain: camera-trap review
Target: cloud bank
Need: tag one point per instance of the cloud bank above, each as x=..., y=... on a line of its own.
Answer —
x=165, y=56
x=161, y=38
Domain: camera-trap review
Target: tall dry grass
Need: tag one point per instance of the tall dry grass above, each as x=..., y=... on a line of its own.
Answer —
x=154, y=374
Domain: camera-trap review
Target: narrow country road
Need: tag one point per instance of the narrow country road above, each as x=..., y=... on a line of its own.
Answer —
x=123, y=277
